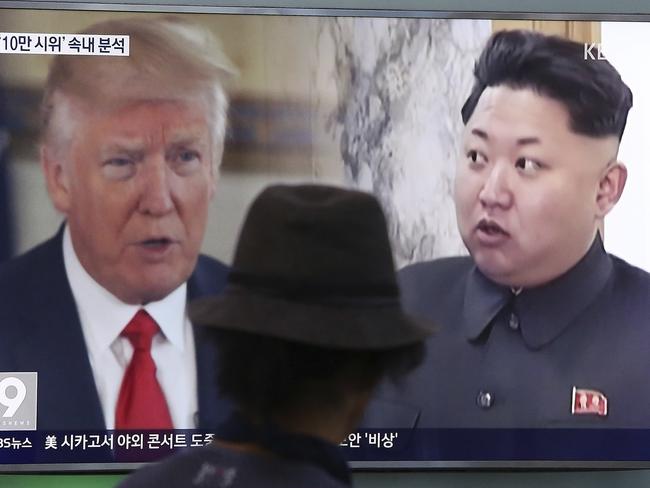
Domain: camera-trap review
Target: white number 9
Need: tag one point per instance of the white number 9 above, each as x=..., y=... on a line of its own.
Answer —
x=14, y=402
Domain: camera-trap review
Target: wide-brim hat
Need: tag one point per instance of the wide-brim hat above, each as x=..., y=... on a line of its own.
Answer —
x=314, y=265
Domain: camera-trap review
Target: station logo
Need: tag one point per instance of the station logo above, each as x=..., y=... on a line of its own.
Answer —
x=593, y=51
x=18, y=401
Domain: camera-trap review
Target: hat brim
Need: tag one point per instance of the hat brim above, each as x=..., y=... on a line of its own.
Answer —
x=352, y=325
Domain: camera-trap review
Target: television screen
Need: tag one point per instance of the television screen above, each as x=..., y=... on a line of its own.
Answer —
x=482, y=165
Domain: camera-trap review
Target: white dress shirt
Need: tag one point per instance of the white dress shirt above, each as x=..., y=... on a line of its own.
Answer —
x=103, y=317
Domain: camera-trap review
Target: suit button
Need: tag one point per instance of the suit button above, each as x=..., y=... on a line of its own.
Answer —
x=513, y=322
x=484, y=399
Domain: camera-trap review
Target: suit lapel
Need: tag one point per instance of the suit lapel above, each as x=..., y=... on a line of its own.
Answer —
x=213, y=408
x=209, y=278
x=55, y=347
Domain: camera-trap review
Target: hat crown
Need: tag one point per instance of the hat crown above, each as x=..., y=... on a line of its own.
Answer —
x=316, y=237
x=314, y=265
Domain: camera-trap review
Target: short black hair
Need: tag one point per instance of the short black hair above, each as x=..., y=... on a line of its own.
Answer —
x=268, y=376
x=592, y=91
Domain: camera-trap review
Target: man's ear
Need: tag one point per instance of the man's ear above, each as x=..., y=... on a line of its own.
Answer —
x=610, y=187
x=215, y=170
x=214, y=176
x=56, y=179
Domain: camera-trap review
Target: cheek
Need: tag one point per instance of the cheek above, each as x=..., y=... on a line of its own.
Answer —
x=91, y=195
x=195, y=200
x=109, y=213
x=546, y=212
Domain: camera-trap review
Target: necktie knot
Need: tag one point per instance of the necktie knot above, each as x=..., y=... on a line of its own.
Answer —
x=141, y=330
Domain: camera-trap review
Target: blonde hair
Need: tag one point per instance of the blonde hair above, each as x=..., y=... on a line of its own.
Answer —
x=170, y=59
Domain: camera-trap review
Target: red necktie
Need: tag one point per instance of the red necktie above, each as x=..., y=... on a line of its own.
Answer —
x=141, y=404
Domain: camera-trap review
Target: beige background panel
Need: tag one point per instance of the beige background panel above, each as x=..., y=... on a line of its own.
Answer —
x=575, y=30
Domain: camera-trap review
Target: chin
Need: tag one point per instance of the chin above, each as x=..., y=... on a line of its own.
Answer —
x=153, y=295
x=498, y=272
x=154, y=289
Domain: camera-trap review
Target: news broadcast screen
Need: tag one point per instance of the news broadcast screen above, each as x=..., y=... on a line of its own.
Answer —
x=512, y=176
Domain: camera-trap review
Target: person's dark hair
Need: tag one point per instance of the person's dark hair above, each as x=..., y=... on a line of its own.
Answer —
x=266, y=376
x=592, y=91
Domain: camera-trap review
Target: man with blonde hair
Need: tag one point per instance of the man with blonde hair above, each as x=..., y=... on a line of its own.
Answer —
x=130, y=153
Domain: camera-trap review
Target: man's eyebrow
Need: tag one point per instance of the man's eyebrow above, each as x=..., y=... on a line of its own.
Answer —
x=124, y=144
x=185, y=139
x=480, y=133
x=133, y=148
x=528, y=140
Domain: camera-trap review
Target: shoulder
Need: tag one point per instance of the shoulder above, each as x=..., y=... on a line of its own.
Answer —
x=209, y=276
x=180, y=469
x=434, y=287
x=213, y=466
x=454, y=264
x=435, y=274
x=210, y=265
x=27, y=271
x=630, y=280
x=628, y=272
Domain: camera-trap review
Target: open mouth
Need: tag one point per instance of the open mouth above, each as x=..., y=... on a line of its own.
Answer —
x=157, y=243
x=490, y=228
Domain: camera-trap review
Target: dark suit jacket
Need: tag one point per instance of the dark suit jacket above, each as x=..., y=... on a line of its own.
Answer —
x=40, y=331
x=506, y=360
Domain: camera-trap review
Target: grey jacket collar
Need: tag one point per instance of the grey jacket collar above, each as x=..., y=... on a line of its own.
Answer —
x=543, y=311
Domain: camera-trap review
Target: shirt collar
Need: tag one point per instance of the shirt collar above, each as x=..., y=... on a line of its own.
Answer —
x=543, y=311
x=483, y=301
x=103, y=315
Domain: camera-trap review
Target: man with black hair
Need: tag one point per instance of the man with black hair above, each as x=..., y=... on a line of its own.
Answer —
x=309, y=323
x=540, y=327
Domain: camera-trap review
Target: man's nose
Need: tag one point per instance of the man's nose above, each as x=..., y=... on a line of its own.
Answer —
x=156, y=195
x=496, y=190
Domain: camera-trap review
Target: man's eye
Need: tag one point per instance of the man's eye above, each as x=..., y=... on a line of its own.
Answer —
x=527, y=165
x=187, y=156
x=118, y=162
x=185, y=161
x=118, y=168
x=475, y=157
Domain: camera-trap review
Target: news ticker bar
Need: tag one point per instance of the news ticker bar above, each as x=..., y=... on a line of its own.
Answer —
x=71, y=44
x=395, y=445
